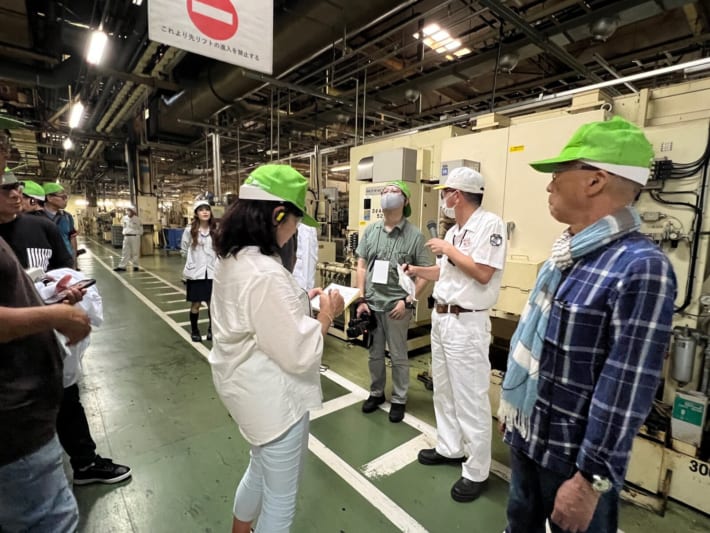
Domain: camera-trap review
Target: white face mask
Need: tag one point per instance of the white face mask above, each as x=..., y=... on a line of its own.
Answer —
x=449, y=212
x=391, y=200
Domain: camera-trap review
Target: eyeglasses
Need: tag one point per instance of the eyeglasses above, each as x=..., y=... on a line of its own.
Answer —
x=444, y=192
x=562, y=169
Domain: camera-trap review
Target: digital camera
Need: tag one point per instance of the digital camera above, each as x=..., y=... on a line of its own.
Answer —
x=360, y=326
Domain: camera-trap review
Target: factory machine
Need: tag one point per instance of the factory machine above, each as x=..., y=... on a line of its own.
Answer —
x=670, y=456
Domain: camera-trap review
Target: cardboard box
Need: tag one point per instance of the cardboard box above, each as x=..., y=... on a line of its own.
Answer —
x=689, y=412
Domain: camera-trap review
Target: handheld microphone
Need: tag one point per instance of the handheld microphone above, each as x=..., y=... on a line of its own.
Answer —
x=433, y=231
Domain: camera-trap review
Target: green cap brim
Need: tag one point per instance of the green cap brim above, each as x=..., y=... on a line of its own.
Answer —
x=7, y=123
x=549, y=165
x=308, y=220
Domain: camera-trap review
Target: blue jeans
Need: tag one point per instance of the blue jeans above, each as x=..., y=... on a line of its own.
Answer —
x=532, y=499
x=35, y=495
x=270, y=485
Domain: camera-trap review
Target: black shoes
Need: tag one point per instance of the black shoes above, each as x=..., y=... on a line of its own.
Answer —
x=101, y=471
x=196, y=336
x=396, y=412
x=136, y=269
x=430, y=456
x=372, y=402
x=119, y=269
x=465, y=490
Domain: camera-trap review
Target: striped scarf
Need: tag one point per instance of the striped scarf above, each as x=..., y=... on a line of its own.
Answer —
x=519, y=390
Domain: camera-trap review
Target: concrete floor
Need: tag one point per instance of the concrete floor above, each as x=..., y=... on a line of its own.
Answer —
x=150, y=400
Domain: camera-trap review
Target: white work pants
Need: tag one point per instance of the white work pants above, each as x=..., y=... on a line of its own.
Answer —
x=131, y=251
x=461, y=373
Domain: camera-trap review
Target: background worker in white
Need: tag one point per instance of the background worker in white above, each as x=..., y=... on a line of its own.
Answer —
x=197, y=248
x=306, y=257
x=468, y=274
x=132, y=231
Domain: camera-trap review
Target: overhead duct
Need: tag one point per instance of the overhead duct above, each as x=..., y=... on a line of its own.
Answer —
x=312, y=26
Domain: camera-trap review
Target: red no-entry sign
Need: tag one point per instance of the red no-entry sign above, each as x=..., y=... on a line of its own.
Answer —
x=217, y=19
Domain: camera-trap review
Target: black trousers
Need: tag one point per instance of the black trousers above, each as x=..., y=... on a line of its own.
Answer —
x=73, y=430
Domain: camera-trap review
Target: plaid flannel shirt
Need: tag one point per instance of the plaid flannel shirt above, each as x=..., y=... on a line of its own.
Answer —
x=606, y=339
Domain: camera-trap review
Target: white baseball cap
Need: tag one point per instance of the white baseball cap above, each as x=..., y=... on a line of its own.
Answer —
x=464, y=179
x=200, y=203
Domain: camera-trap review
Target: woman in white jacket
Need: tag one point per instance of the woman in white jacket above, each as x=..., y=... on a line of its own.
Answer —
x=197, y=247
x=267, y=348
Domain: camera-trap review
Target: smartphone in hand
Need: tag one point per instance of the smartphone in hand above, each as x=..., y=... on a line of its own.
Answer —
x=61, y=295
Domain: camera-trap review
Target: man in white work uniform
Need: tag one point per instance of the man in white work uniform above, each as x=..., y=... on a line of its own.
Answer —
x=132, y=231
x=468, y=275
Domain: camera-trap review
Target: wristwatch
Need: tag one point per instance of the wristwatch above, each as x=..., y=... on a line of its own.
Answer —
x=600, y=484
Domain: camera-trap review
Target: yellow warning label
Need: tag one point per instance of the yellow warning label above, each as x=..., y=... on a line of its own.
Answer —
x=518, y=148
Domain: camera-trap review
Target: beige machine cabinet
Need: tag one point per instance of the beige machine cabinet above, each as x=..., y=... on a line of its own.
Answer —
x=424, y=202
x=519, y=277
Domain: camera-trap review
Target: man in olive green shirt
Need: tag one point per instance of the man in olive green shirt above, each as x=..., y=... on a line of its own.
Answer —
x=384, y=245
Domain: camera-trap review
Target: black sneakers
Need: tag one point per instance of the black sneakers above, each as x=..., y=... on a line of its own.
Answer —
x=465, y=490
x=396, y=412
x=119, y=269
x=101, y=471
x=196, y=336
x=370, y=405
x=430, y=456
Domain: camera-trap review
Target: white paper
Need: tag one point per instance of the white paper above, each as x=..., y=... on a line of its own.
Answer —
x=379, y=271
x=349, y=294
x=406, y=282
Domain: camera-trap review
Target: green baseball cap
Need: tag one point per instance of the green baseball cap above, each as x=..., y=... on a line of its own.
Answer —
x=278, y=183
x=52, y=188
x=9, y=123
x=32, y=189
x=402, y=186
x=615, y=145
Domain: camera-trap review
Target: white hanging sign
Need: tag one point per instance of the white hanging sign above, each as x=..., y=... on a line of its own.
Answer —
x=234, y=31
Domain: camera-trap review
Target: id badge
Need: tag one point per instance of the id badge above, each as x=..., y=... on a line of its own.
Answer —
x=379, y=271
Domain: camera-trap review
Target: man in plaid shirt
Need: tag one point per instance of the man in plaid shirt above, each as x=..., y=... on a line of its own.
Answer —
x=602, y=311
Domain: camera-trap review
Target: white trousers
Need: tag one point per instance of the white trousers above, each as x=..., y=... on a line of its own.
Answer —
x=269, y=487
x=461, y=373
x=131, y=251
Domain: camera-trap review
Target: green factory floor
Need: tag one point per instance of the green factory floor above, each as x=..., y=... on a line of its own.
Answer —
x=148, y=394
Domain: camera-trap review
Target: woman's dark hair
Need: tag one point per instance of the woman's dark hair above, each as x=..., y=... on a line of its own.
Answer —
x=250, y=223
x=195, y=226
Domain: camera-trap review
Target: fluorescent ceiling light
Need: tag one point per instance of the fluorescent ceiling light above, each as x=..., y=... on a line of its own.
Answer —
x=441, y=35
x=453, y=45
x=67, y=144
x=137, y=2
x=77, y=112
x=97, y=45
x=462, y=52
x=431, y=29
x=696, y=68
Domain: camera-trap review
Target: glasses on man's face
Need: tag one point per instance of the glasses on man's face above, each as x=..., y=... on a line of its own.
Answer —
x=568, y=168
x=62, y=196
x=445, y=192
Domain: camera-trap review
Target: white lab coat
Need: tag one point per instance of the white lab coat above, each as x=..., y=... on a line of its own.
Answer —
x=201, y=259
x=267, y=348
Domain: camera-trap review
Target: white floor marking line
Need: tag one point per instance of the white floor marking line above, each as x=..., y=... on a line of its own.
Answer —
x=177, y=311
x=168, y=293
x=336, y=404
x=175, y=301
x=160, y=287
x=144, y=270
x=201, y=348
x=200, y=321
x=378, y=499
x=398, y=458
x=155, y=282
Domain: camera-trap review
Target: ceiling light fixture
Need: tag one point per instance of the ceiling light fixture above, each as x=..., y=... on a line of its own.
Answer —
x=137, y=2
x=441, y=41
x=68, y=144
x=77, y=113
x=97, y=45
